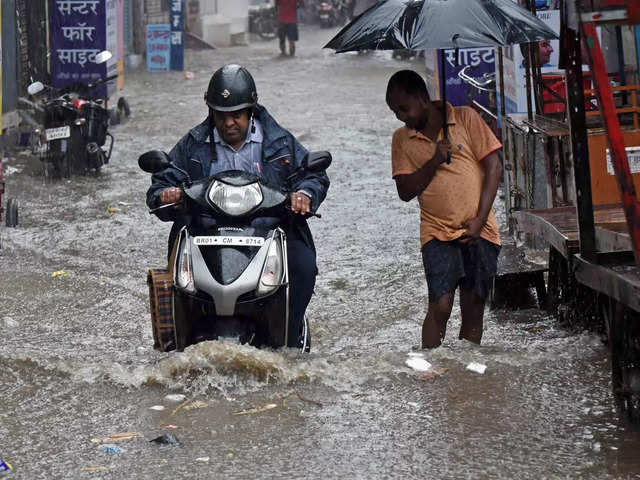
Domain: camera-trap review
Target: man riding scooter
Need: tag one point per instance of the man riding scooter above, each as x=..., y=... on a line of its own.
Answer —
x=239, y=134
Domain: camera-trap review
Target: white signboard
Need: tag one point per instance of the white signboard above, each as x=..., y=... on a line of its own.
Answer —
x=633, y=157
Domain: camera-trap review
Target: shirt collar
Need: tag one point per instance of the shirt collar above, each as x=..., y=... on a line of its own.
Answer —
x=253, y=135
x=451, y=118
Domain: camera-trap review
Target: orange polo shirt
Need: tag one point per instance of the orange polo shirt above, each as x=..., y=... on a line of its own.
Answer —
x=453, y=195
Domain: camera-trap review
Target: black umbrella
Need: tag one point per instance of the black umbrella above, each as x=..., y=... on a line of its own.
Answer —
x=429, y=24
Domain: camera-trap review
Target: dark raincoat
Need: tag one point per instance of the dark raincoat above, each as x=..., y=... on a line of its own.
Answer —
x=281, y=155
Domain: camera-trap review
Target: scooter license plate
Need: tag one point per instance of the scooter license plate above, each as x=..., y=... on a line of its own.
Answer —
x=225, y=241
x=57, y=133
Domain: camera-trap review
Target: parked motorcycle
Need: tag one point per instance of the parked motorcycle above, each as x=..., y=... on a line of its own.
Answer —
x=228, y=273
x=75, y=126
x=263, y=19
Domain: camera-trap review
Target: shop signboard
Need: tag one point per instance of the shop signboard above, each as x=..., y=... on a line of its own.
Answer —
x=158, y=47
x=480, y=61
x=177, y=34
x=79, y=29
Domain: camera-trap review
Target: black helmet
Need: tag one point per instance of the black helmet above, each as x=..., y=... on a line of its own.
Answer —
x=231, y=88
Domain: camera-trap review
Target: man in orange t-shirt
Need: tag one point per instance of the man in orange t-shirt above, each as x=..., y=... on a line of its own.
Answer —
x=458, y=230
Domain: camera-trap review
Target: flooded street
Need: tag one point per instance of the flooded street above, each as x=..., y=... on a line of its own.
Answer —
x=76, y=357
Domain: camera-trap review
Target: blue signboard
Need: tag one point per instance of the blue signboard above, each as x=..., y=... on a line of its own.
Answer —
x=78, y=33
x=158, y=48
x=177, y=34
x=480, y=61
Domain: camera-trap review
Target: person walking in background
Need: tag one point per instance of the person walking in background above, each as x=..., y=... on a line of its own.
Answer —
x=288, y=24
x=458, y=229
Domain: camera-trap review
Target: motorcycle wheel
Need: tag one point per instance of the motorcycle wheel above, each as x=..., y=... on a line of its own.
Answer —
x=12, y=213
x=123, y=108
x=114, y=116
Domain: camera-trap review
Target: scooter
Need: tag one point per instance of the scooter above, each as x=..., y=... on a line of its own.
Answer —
x=75, y=126
x=228, y=272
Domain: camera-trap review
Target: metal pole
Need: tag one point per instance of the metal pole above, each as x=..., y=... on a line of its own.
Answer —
x=445, y=128
x=503, y=108
x=528, y=82
x=619, y=159
x=579, y=144
x=527, y=66
x=621, y=72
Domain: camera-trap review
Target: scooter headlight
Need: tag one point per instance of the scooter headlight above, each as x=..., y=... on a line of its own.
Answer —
x=184, y=268
x=235, y=200
x=272, y=270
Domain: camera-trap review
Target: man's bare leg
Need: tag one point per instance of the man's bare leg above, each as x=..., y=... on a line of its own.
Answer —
x=292, y=48
x=434, y=326
x=472, y=311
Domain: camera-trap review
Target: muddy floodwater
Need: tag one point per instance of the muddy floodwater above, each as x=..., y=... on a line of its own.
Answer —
x=77, y=364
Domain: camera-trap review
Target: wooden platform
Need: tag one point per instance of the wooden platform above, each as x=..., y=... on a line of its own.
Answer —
x=515, y=275
x=559, y=227
x=612, y=273
x=618, y=280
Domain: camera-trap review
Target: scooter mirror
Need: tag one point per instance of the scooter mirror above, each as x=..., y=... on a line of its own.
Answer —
x=35, y=87
x=317, y=161
x=103, y=56
x=154, y=161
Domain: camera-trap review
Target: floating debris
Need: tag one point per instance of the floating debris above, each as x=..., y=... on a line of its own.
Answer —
x=158, y=408
x=8, y=322
x=202, y=459
x=175, y=397
x=166, y=439
x=111, y=209
x=251, y=411
x=110, y=448
x=171, y=426
x=477, y=367
x=94, y=469
x=195, y=404
x=117, y=437
x=58, y=273
x=5, y=467
x=433, y=373
x=417, y=362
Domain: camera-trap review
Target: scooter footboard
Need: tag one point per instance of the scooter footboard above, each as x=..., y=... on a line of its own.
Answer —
x=160, y=298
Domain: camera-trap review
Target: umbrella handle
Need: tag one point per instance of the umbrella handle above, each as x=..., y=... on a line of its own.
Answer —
x=445, y=132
